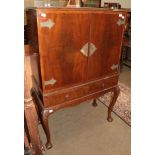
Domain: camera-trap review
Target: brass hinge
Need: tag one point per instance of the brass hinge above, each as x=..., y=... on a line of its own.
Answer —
x=114, y=66
x=120, y=22
x=50, y=82
x=49, y=24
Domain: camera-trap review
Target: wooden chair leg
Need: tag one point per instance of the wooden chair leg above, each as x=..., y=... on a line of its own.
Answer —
x=31, y=121
x=43, y=114
x=45, y=124
x=112, y=103
x=94, y=104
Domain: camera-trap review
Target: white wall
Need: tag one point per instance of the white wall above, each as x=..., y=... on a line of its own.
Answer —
x=124, y=3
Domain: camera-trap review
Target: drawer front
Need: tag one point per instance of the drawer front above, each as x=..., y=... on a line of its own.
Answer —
x=69, y=94
x=65, y=96
x=102, y=84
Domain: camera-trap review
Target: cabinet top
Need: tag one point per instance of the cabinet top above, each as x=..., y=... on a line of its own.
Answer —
x=76, y=9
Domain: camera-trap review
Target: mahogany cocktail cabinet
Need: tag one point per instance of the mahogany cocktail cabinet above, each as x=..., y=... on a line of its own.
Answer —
x=75, y=57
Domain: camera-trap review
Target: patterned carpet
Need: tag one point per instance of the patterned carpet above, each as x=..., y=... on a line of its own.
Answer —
x=122, y=108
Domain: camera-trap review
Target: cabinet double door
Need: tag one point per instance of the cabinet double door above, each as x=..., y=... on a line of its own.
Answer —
x=77, y=46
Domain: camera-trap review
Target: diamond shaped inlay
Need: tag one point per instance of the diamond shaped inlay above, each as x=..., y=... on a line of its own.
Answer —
x=92, y=49
x=84, y=50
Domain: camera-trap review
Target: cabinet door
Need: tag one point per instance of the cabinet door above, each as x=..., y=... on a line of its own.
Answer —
x=62, y=34
x=106, y=33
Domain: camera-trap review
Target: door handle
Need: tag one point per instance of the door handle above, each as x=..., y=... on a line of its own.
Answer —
x=88, y=47
x=92, y=49
x=84, y=49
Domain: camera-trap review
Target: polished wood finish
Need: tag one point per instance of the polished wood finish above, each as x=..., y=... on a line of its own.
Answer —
x=60, y=53
x=32, y=34
x=26, y=141
x=57, y=57
x=32, y=139
x=116, y=92
x=74, y=92
x=108, y=44
x=31, y=120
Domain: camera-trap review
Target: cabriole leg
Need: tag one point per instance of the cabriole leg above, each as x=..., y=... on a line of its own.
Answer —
x=113, y=101
x=45, y=123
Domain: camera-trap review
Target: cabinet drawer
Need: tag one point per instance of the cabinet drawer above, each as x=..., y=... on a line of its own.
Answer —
x=102, y=84
x=65, y=95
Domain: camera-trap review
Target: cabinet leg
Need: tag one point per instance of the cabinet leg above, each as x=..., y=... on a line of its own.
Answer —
x=45, y=123
x=43, y=114
x=113, y=101
x=94, y=104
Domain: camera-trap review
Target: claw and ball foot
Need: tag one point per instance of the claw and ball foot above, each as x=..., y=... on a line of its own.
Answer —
x=113, y=101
